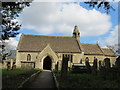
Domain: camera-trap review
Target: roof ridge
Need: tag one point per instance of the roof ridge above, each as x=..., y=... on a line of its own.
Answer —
x=100, y=49
x=90, y=43
x=46, y=35
x=109, y=50
x=105, y=48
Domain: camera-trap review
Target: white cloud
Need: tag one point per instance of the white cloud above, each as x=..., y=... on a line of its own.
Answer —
x=70, y=0
x=112, y=39
x=47, y=18
x=11, y=44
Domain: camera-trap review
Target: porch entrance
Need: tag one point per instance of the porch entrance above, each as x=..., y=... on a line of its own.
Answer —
x=47, y=63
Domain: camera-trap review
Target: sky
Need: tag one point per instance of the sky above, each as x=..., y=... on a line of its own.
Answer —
x=59, y=19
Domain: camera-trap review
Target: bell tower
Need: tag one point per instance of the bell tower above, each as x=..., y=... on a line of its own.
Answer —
x=76, y=33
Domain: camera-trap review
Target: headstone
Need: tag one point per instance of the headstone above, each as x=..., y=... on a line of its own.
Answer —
x=117, y=63
x=95, y=65
x=107, y=62
x=64, y=69
x=100, y=64
x=88, y=65
x=8, y=66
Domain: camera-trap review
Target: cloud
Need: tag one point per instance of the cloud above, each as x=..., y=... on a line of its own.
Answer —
x=112, y=39
x=49, y=18
x=11, y=44
x=69, y=0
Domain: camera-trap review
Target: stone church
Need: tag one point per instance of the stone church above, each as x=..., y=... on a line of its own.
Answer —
x=44, y=52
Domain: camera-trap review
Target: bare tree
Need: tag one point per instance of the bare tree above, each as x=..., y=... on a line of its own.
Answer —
x=101, y=4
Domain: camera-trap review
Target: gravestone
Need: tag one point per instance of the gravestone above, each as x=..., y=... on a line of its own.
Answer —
x=107, y=62
x=100, y=64
x=95, y=65
x=8, y=66
x=117, y=63
x=64, y=69
x=88, y=65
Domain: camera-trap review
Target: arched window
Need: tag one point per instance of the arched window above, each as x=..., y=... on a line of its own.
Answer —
x=28, y=57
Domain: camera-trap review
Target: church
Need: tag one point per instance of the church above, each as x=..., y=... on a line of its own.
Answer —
x=44, y=52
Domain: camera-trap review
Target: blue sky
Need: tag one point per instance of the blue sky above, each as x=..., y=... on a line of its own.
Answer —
x=59, y=20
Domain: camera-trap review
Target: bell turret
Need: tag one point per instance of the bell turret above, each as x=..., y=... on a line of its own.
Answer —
x=76, y=32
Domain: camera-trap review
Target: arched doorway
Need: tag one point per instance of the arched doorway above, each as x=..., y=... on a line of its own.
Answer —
x=47, y=63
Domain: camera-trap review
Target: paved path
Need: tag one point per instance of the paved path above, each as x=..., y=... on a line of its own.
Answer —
x=43, y=80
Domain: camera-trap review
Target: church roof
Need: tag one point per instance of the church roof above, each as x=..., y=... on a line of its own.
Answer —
x=108, y=52
x=57, y=43
x=91, y=49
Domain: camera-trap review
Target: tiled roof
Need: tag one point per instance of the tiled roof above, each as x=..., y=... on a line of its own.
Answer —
x=39, y=42
x=108, y=52
x=89, y=48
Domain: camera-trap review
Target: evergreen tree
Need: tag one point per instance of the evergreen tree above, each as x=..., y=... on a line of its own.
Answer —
x=9, y=27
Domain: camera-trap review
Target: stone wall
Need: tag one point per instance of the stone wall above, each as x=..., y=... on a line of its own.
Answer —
x=38, y=58
x=22, y=56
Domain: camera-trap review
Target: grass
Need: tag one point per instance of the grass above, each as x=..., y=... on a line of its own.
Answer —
x=16, y=71
x=85, y=81
x=13, y=78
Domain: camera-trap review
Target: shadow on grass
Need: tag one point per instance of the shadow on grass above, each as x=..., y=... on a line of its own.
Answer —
x=86, y=81
x=13, y=78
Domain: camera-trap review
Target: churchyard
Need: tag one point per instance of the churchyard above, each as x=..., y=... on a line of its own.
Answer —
x=87, y=81
x=104, y=77
x=13, y=78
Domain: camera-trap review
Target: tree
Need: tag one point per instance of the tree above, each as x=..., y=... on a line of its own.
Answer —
x=100, y=3
x=115, y=48
x=9, y=11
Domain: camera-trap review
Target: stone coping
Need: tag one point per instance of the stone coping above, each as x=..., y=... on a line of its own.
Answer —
x=56, y=82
